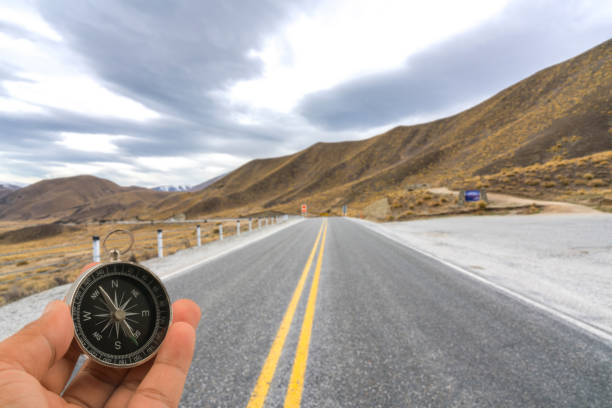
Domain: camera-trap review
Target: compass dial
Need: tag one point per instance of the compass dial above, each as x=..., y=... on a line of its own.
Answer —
x=121, y=313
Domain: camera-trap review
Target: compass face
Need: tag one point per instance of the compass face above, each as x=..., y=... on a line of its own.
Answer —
x=121, y=313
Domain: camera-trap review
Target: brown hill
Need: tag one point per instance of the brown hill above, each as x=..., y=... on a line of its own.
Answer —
x=560, y=113
x=548, y=136
x=77, y=199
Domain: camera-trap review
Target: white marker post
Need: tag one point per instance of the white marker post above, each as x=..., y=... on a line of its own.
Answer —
x=160, y=244
x=237, y=227
x=199, y=236
x=220, y=232
x=96, y=248
x=250, y=225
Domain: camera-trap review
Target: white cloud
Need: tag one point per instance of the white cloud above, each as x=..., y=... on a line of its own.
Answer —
x=28, y=20
x=11, y=105
x=54, y=77
x=90, y=142
x=79, y=94
x=344, y=40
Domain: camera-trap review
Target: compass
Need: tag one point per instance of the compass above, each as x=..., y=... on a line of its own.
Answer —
x=121, y=311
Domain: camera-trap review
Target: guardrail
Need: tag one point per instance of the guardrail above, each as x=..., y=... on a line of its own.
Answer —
x=67, y=256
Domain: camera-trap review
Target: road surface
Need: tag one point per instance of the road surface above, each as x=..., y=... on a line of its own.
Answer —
x=382, y=326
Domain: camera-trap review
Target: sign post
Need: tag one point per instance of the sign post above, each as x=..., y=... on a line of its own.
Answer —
x=472, y=195
x=304, y=210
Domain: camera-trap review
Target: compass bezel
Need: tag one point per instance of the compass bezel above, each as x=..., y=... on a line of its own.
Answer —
x=71, y=297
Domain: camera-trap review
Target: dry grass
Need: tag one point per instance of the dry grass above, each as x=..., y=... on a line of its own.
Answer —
x=33, y=266
x=583, y=180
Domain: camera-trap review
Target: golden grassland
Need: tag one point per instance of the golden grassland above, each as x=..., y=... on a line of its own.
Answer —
x=35, y=265
x=585, y=180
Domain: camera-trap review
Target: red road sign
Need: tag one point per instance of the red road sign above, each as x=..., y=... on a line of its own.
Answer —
x=304, y=208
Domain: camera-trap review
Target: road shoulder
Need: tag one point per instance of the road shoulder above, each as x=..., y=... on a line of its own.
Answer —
x=548, y=262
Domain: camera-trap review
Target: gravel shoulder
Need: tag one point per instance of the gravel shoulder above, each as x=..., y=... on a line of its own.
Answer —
x=561, y=261
x=15, y=315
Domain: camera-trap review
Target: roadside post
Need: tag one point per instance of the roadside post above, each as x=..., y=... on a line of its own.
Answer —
x=250, y=224
x=160, y=244
x=304, y=210
x=96, y=248
x=199, y=236
x=220, y=232
x=344, y=210
x=237, y=227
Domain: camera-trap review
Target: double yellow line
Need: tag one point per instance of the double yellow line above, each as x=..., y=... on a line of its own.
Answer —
x=296, y=383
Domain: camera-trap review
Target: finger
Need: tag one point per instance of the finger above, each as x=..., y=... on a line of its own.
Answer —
x=38, y=346
x=186, y=310
x=183, y=310
x=94, y=384
x=163, y=384
x=58, y=375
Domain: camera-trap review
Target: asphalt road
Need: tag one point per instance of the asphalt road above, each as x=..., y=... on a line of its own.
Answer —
x=385, y=327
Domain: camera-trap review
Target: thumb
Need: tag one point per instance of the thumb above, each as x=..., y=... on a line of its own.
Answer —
x=37, y=346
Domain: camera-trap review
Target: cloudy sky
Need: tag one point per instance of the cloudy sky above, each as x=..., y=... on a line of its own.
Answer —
x=152, y=92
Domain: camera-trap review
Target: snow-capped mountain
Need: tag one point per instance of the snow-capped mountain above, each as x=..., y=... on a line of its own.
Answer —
x=7, y=188
x=172, y=189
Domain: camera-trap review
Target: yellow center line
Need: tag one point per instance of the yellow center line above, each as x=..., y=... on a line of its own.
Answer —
x=296, y=383
x=258, y=396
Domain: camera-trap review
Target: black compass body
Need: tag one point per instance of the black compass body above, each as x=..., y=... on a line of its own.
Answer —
x=121, y=313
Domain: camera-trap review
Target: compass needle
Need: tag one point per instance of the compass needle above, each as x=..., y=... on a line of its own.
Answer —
x=109, y=302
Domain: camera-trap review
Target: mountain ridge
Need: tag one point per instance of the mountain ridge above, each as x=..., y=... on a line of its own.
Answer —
x=558, y=117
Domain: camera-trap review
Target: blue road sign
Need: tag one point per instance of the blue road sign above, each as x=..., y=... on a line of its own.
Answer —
x=472, y=195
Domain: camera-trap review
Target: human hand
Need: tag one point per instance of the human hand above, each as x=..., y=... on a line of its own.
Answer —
x=37, y=361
